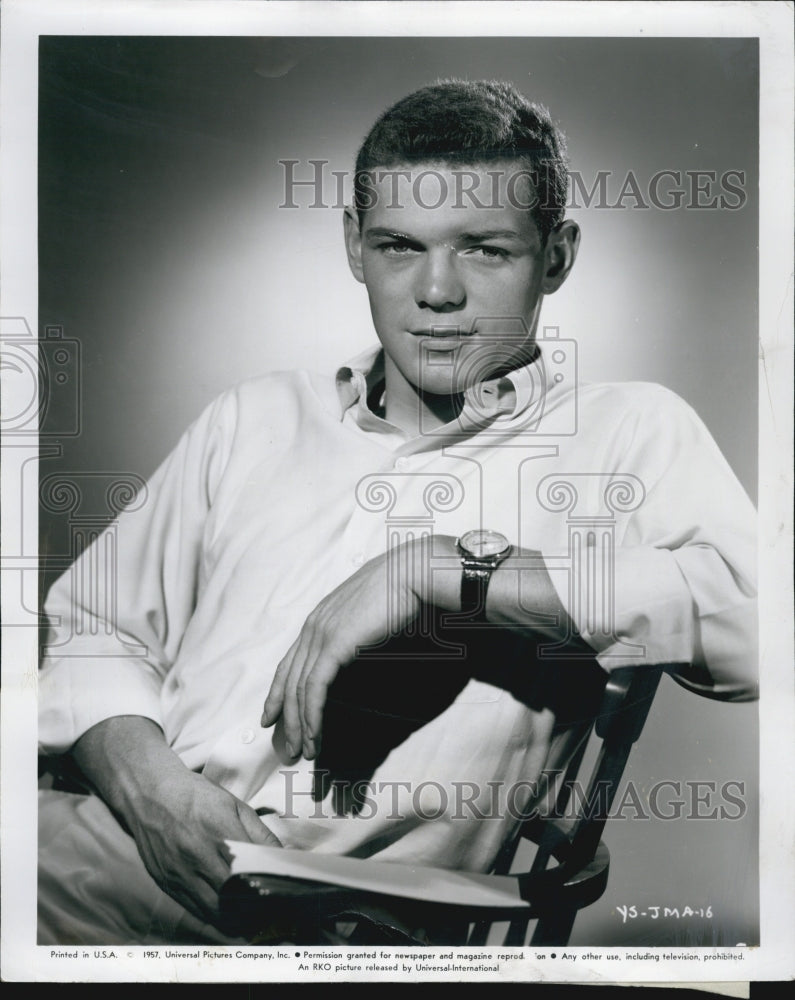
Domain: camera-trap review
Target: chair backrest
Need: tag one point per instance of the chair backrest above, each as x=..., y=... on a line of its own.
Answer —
x=573, y=840
x=570, y=839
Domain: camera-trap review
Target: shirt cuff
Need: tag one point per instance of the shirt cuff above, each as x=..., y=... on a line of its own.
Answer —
x=75, y=695
x=632, y=606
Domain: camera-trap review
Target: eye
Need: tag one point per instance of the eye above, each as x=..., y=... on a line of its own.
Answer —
x=397, y=248
x=488, y=252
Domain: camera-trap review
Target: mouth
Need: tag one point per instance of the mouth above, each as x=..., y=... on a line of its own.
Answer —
x=436, y=341
x=441, y=346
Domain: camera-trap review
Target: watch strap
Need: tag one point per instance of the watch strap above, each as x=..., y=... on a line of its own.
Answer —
x=477, y=569
x=474, y=587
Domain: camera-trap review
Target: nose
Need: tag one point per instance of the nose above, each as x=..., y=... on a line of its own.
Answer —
x=439, y=286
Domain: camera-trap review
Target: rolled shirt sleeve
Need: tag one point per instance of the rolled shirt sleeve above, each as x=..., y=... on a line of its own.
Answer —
x=679, y=585
x=117, y=616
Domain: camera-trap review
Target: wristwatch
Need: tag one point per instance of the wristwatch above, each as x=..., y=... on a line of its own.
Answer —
x=481, y=553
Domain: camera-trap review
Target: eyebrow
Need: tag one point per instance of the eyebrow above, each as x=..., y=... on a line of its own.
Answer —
x=492, y=234
x=391, y=233
x=486, y=234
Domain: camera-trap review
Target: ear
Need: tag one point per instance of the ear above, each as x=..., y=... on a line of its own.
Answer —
x=559, y=255
x=353, y=242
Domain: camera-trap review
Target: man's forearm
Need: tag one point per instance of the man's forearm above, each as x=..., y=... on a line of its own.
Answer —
x=178, y=818
x=125, y=758
x=383, y=597
x=520, y=594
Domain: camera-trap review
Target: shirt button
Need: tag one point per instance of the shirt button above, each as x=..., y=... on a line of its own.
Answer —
x=358, y=559
x=247, y=736
x=401, y=463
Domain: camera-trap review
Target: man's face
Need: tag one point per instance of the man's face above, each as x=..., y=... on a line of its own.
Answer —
x=455, y=283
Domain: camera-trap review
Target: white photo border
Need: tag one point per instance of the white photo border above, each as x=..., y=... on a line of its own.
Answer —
x=23, y=21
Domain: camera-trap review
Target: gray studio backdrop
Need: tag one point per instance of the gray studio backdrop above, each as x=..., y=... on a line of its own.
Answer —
x=164, y=253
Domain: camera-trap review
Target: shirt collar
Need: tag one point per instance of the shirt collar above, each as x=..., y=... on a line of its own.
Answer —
x=503, y=398
x=357, y=379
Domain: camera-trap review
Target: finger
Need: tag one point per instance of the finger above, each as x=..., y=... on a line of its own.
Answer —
x=212, y=865
x=257, y=831
x=209, y=880
x=315, y=695
x=326, y=634
x=290, y=716
x=304, y=655
x=313, y=669
x=208, y=895
x=195, y=893
x=275, y=699
x=314, y=655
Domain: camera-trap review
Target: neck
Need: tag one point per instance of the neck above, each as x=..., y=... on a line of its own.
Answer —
x=414, y=411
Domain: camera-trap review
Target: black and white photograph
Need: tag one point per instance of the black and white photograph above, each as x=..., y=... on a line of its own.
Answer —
x=396, y=442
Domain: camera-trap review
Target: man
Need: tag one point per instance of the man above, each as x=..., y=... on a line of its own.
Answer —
x=305, y=525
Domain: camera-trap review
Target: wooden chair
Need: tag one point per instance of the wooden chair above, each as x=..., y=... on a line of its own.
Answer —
x=569, y=871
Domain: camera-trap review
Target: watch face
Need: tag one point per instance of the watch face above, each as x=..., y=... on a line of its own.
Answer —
x=484, y=543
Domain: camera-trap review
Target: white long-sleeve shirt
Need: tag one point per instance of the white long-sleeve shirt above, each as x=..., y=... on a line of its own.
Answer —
x=289, y=482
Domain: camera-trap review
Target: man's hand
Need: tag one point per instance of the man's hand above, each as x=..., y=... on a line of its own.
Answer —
x=179, y=819
x=374, y=603
x=381, y=599
x=179, y=831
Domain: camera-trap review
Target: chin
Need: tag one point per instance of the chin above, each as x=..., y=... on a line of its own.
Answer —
x=438, y=385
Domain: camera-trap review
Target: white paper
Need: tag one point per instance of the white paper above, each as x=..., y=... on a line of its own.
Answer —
x=412, y=882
